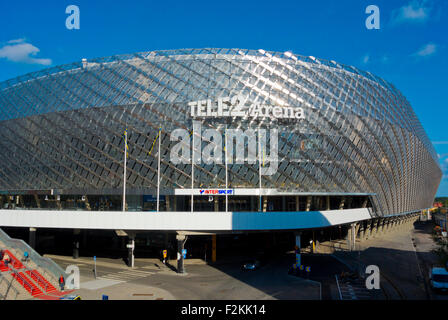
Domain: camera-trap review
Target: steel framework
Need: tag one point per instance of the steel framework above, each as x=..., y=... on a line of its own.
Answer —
x=61, y=128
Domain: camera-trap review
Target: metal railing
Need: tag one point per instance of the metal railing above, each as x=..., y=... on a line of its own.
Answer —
x=23, y=281
x=38, y=278
x=9, y=287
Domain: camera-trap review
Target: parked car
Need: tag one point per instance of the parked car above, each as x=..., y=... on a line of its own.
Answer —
x=439, y=279
x=251, y=265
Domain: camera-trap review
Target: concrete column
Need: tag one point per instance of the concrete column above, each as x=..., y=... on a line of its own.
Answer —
x=76, y=235
x=216, y=203
x=298, y=248
x=364, y=204
x=167, y=203
x=87, y=203
x=357, y=231
x=180, y=258
x=297, y=203
x=366, y=233
x=362, y=230
x=383, y=225
x=372, y=228
x=1, y=202
x=214, y=248
x=283, y=203
x=32, y=238
x=174, y=203
x=341, y=205
x=377, y=230
x=308, y=203
x=351, y=237
x=327, y=198
x=58, y=202
x=265, y=203
x=131, y=247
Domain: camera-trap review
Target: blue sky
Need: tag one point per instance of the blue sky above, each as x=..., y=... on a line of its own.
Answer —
x=410, y=49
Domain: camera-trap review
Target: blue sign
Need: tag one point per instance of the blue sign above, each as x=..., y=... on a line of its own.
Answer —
x=94, y=258
x=184, y=253
x=151, y=198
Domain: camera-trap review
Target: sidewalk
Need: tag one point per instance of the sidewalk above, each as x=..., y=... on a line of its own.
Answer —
x=393, y=253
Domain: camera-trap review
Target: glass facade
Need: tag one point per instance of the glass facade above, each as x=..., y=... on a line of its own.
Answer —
x=62, y=128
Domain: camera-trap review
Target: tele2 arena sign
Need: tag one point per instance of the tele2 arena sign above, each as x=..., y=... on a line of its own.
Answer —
x=239, y=106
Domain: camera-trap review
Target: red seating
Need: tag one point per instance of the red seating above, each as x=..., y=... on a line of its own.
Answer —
x=3, y=267
x=41, y=281
x=27, y=284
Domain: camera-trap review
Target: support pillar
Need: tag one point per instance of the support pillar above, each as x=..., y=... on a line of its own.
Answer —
x=167, y=203
x=265, y=203
x=351, y=237
x=362, y=230
x=364, y=203
x=58, y=202
x=357, y=231
x=216, y=203
x=308, y=203
x=76, y=233
x=328, y=202
x=181, y=239
x=131, y=246
x=1, y=202
x=341, y=205
x=214, y=248
x=32, y=238
x=297, y=203
x=283, y=203
x=87, y=204
x=383, y=225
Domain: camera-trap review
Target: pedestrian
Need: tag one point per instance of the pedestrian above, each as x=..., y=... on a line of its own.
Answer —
x=25, y=256
x=61, y=282
x=6, y=259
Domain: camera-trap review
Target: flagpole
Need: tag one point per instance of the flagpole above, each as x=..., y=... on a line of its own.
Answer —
x=124, y=170
x=259, y=168
x=192, y=171
x=158, y=172
x=227, y=182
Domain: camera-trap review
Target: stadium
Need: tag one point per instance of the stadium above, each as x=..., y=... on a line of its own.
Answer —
x=210, y=141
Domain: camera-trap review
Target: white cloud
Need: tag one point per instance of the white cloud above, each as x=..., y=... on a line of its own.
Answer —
x=414, y=11
x=366, y=59
x=427, y=50
x=443, y=159
x=19, y=50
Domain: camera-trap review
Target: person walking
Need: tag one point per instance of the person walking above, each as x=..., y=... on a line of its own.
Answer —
x=61, y=282
x=6, y=259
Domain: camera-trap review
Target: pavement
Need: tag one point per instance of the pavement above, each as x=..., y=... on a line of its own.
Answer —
x=403, y=267
x=152, y=280
x=424, y=244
